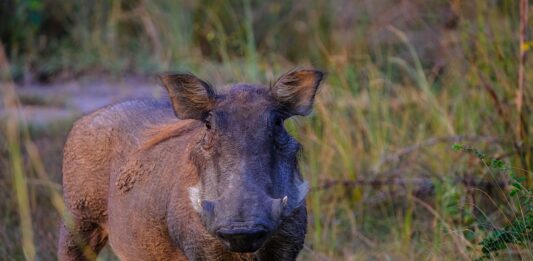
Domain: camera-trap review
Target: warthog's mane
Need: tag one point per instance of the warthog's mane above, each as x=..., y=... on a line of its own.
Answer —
x=158, y=133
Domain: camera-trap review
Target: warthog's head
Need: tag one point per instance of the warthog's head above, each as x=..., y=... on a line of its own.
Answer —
x=246, y=160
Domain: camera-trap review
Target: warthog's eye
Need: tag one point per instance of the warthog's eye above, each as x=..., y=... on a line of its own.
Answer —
x=280, y=134
x=278, y=122
x=207, y=121
x=207, y=141
x=277, y=119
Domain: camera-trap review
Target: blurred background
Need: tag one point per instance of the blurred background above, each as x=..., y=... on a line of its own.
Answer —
x=419, y=147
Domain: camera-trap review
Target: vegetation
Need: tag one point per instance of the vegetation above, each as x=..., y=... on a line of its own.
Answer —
x=406, y=80
x=519, y=231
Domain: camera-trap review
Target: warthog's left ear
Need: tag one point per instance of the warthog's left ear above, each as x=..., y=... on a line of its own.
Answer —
x=295, y=91
x=191, y=97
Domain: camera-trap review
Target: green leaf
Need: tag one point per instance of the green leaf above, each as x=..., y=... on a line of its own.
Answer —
x=497, y=164
x=457, y=147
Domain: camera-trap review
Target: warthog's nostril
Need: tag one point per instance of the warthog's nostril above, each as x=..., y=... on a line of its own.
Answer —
x=243, y=239
x=242, y=234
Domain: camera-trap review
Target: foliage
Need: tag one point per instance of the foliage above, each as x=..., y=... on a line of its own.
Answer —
x=520, y=229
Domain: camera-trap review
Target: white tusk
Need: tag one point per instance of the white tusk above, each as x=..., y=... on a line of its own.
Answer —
x=284, y=201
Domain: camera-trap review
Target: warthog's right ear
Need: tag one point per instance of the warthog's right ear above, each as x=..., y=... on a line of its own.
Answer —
x=295, y=90
x=191, y=97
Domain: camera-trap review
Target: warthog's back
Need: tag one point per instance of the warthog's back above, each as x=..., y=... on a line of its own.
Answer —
x=95, y=142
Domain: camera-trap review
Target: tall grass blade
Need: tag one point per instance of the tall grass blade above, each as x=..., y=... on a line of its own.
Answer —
x=15, y=158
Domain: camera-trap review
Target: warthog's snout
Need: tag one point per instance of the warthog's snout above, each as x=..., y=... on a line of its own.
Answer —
x=243, y=228
x=242, y=236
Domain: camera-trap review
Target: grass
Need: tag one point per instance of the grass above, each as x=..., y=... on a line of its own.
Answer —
x=405, y=82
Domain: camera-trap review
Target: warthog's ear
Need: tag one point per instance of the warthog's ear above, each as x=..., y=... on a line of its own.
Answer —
x=295, y=90
x=191, y=97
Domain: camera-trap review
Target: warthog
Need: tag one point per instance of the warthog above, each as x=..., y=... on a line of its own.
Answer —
x=199, y=175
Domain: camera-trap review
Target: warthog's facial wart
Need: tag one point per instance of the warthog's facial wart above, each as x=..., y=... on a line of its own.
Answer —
x=303, y=188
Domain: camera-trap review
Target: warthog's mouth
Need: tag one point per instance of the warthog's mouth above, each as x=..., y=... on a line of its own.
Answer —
x=242, y=238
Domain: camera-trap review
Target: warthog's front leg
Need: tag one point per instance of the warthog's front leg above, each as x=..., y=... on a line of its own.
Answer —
x=81, y=242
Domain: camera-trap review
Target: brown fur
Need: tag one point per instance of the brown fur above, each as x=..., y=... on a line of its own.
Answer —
x=127, y=170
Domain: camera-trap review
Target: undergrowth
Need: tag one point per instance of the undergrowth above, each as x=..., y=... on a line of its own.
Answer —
x=519, y=228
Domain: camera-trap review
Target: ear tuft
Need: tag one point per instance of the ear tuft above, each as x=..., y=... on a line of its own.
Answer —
x=191, y=97
x=295, y=91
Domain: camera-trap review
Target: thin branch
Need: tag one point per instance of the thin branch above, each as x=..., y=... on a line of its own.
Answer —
x=433, y=141
x=425, y=185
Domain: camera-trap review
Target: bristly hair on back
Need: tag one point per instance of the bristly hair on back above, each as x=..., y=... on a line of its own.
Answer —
x=162, y=132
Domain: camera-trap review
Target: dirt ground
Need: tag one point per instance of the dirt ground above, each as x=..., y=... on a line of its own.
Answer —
x=44, y=104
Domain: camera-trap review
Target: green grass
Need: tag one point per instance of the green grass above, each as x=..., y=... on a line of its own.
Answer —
x=402, y=87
